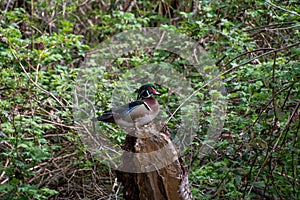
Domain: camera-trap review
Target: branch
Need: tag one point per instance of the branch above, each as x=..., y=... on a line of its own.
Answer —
x=275, y=145
x=226, y=72
x=292, y=12
x=35, y=84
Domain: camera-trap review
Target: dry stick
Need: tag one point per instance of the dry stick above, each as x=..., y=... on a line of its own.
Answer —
x=247, y=52
x=3, y=173
x=160, y=40
x=116, y=193
x=32, y=32
x=130, y=6
x=294, y=161
x=59, y=124
x=284, y=28
x=226, y=72
x=275, y=145
x=292, y=12
x=268, y=26
x=273, y=85
x=96, y=140
x=7, y=6
x=35, y=84
x=52, y=160
x=83, y=3
x=265, y=108
x=44, y=164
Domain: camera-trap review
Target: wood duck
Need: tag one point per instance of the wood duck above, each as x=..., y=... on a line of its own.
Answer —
x=136, y=113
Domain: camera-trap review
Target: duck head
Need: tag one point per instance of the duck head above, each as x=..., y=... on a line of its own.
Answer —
x=147, y=91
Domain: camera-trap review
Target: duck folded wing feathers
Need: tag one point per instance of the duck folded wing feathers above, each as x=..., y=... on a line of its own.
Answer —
x=122, y=111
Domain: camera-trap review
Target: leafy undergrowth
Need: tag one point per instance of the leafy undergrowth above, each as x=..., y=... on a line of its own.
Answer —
x=255, y=45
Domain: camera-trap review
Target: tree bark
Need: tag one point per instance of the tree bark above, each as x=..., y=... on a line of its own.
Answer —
x=151, y=168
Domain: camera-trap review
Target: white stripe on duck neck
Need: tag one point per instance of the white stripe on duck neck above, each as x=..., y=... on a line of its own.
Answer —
x=148, y=95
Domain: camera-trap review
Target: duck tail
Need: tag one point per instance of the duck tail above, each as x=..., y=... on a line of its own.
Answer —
x=106, y=117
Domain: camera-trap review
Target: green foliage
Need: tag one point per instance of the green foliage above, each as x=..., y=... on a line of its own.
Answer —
x=30, y=77
x=22, y=138
x=255, y=45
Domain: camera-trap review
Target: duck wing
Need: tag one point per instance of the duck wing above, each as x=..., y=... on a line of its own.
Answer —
x=121, y=111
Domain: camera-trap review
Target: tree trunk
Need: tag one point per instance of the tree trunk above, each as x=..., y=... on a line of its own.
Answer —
x=151, y=168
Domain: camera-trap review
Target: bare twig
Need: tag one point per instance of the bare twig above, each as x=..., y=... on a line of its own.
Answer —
x=3, y=173
x=34, y=83
x=226, y=72
x=245, y=53
x=266, y=27
x=265, y=108
x=278, y=7
x=284, y=28
x=275, y=145
x=273, y=85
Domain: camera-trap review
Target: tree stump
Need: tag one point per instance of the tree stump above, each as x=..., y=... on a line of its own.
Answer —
x=151, y=168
